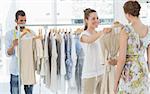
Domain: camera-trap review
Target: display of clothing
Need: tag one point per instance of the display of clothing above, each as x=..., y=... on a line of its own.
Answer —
x=57, y=58
x=79, y=63
x=27, y=62
x=54, y=77
x=108, y=80
x=46, y=69
x=60, y=62
x=110, y=46
x=74, y=60
x=68, y=59
x=39, y=54
x=63, y=58
x=58, y=47
x=134, y=78
x=62, y=82
x=63, y=68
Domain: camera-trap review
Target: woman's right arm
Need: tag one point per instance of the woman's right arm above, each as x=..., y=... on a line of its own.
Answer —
x=94, y=37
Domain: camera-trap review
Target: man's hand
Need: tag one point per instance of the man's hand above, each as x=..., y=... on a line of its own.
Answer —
x=11, y=49
x=15, y=43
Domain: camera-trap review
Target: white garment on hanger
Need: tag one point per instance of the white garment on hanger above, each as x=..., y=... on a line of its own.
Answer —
x=63, y=68
x=54, y=78
x=39, y=52
x=74, y=60
x=45, y=69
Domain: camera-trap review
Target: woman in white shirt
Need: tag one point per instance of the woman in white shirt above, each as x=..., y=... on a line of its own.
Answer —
x=92, y=67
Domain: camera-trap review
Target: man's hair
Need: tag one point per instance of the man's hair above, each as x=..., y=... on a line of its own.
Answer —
x=19, y=13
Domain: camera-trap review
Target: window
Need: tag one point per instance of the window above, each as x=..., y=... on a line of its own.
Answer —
x=71, y=11
x=38, y=11
x=145, y=13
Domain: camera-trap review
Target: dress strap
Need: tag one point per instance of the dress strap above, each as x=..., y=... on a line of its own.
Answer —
x=127, y=28
x=147, y=38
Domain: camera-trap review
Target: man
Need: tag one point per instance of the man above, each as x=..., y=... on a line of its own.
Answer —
x=11, y=44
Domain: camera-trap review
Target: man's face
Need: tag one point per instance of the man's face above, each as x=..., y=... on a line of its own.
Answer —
x=21, y=20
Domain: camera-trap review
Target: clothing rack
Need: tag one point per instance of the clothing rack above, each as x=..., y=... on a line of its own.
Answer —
x=50, y=25
x=45, y=28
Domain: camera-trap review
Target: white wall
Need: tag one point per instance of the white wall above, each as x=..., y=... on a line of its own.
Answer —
x=119, y=13
x=118, y=10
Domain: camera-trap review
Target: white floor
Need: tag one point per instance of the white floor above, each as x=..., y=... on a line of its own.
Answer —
x=38, y=88
x=5, y=89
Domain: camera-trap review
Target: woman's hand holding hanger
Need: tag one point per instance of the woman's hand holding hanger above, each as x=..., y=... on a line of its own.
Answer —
x=112, y=62
x=107, y=30
x=104, y=31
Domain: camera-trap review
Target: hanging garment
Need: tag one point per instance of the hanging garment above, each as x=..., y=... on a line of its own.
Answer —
x=63, y=67
x=54, y=78
x=39, y=54
x=63, y=55
x=110, y=47
x=68, y=59
x=79, y=64
x=27, y=62
x=45, y=68
x=134, y=78
x=49, y=43
x=108, y=80
x=74, y=60
x=58, y=48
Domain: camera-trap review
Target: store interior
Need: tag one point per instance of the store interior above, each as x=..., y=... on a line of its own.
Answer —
x=57, y=12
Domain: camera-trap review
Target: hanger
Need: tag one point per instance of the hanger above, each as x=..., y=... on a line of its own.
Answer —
x=118, y=25
x=66, y=31
x=78, y=31
x=62, y=31
x=40, y=35
x=70, y=30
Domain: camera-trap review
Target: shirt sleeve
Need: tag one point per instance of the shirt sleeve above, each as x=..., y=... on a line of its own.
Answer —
x=83, y=33
x=127, y=29
x=8, y=42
